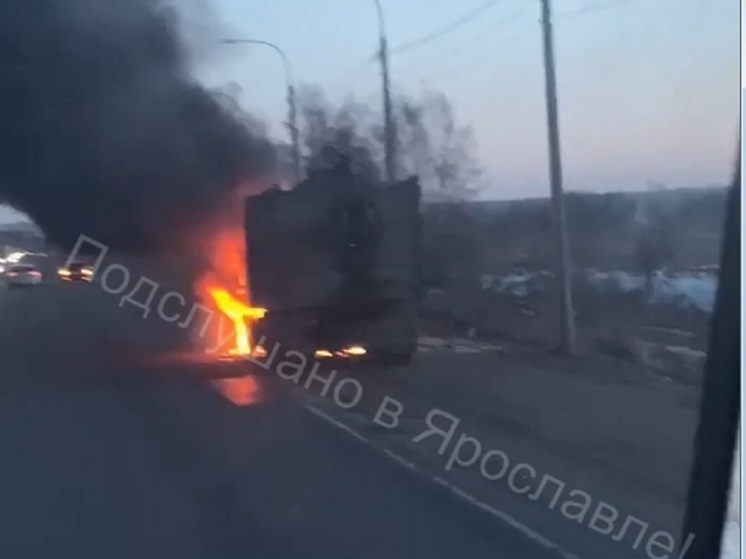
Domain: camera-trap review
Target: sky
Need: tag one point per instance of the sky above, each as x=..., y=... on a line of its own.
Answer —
x=648, y=90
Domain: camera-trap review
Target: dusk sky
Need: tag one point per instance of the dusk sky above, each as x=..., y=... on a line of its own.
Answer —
x=648, y=89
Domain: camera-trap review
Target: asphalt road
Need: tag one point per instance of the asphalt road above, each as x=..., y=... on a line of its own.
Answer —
x=621, y=441
x=106, y=455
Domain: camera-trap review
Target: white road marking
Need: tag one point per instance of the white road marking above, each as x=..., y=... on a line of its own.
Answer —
x=470, y=499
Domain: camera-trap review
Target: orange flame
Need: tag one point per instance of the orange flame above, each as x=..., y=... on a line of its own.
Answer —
x=226, y=285
x=239, y=313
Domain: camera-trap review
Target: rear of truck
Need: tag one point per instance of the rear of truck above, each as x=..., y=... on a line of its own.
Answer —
x=338, y=270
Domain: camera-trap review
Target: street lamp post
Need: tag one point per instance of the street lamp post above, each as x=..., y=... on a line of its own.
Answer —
x=292, y=109
x=388, y=125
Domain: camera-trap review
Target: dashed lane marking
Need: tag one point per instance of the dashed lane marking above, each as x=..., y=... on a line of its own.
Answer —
x=461, y=494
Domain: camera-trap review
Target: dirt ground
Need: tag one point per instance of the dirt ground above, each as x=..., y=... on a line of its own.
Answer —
x=663, y=339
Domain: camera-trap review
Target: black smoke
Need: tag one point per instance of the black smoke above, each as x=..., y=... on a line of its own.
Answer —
x=102, y=130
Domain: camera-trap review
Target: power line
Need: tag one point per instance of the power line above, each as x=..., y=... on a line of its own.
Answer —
x=368, y=62
x=446, y=29
x=592, y=8
x=353, y=70
x=454, y=69
x=459, y=67
x=417, y=42
x=479, y=40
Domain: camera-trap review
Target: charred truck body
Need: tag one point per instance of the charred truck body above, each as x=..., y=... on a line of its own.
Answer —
x=336, y=262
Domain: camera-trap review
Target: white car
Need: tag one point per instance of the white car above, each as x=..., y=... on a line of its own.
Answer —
x=22, y=275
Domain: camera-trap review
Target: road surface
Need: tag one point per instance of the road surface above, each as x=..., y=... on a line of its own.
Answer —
x=622, y=442
x=104, y=456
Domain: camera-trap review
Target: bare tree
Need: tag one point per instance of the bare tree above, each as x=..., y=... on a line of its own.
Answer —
x=431, y=143
x=653, y=249
x=436, y=148
x=347, y=129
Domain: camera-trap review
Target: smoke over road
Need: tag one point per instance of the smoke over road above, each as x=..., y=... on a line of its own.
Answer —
x=104, y=133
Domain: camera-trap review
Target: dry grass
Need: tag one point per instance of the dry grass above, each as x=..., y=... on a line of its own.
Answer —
x=622, y=327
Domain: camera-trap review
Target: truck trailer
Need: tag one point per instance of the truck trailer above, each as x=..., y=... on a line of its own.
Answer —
x=336, y=261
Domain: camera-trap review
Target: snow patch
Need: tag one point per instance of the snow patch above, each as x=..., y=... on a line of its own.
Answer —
x=519, y=284
x=688, y=290
x=428, y=344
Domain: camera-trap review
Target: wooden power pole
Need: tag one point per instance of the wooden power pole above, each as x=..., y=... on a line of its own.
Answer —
x=389, y=139
x=562, y=269
x=388, y=124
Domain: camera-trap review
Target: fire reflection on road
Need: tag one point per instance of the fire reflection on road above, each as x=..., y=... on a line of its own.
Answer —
x=241, y=391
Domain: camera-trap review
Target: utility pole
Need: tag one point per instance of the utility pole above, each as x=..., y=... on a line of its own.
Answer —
x=293, y=126
x=388, y=131
x=562, y=270
x=292, y=107
x=389, y=141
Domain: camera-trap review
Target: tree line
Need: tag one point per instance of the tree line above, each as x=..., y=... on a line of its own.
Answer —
x=432, y=144
x=430, y=141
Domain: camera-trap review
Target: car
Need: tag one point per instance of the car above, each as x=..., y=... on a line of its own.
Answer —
x=76, y=271
x=22, y=275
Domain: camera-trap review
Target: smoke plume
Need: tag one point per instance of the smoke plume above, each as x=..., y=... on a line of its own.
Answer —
x=104, y=133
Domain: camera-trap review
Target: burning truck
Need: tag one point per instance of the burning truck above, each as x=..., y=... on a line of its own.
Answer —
x=334, y=267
